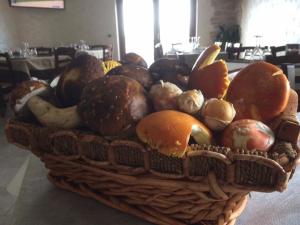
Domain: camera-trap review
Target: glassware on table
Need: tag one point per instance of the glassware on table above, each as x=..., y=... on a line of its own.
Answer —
x=248, y=54
x=25, y=52
x=33, y=52
x=74, y=45
x=82, y=45
x=10, y=53
x=267, y=51
x=17, y=53
x=25, y=45
x=195, y=43
x=257, y=53
x=59, y=44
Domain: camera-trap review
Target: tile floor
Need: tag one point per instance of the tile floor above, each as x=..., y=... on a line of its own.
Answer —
x=11, y=160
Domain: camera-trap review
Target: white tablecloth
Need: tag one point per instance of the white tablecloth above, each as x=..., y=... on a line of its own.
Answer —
x=27, y=64
x=33, y=63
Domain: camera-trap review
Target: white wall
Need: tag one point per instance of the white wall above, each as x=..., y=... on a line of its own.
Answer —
x=278, y=21
x=8, y=31
x=204, y=25
x=90, y=20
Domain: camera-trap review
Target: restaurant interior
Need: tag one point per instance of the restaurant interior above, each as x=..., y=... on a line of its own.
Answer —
x=61, y=59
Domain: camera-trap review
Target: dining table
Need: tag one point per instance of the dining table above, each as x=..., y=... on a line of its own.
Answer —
x=23, y=66
x=190, y=58
x=28, y=64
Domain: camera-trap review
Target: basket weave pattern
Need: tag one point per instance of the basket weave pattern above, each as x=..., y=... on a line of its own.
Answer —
x=159, y=201
x=209, y=185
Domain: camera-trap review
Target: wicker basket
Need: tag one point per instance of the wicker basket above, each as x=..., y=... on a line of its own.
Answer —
x=209, y=185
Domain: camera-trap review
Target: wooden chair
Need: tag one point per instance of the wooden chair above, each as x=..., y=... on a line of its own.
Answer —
x=278, y=51
x=232, y=53
x=42, y=51
x=7, y=81
x=63, y=56
x=292, y=49
x=279, y=60
x=283, y=61
x=106, y=50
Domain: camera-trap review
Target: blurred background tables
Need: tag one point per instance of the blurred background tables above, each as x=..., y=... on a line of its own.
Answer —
x=232, y=64
x=31, y=63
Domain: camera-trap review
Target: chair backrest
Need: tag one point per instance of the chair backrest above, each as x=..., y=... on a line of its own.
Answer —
x=106, y=50
x=235, y=52
x=237, y=45
x=63, y=56
x=5, y=62
x=240, y=52
x=43, y=51
x=292, y=49
x=285, y=59
x=278, y=50
x=227, y=45
x=6, y=70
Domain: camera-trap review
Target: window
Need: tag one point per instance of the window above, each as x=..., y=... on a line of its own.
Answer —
x=174, y=20
x=145, y=23
x=138, y=27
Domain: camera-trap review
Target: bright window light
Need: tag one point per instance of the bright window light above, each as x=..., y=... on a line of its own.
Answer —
x=174, y=16
x=174, y=22
x=138, y=28
x=276, y=21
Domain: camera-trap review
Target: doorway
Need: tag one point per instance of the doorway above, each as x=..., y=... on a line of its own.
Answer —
x=145, y=23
